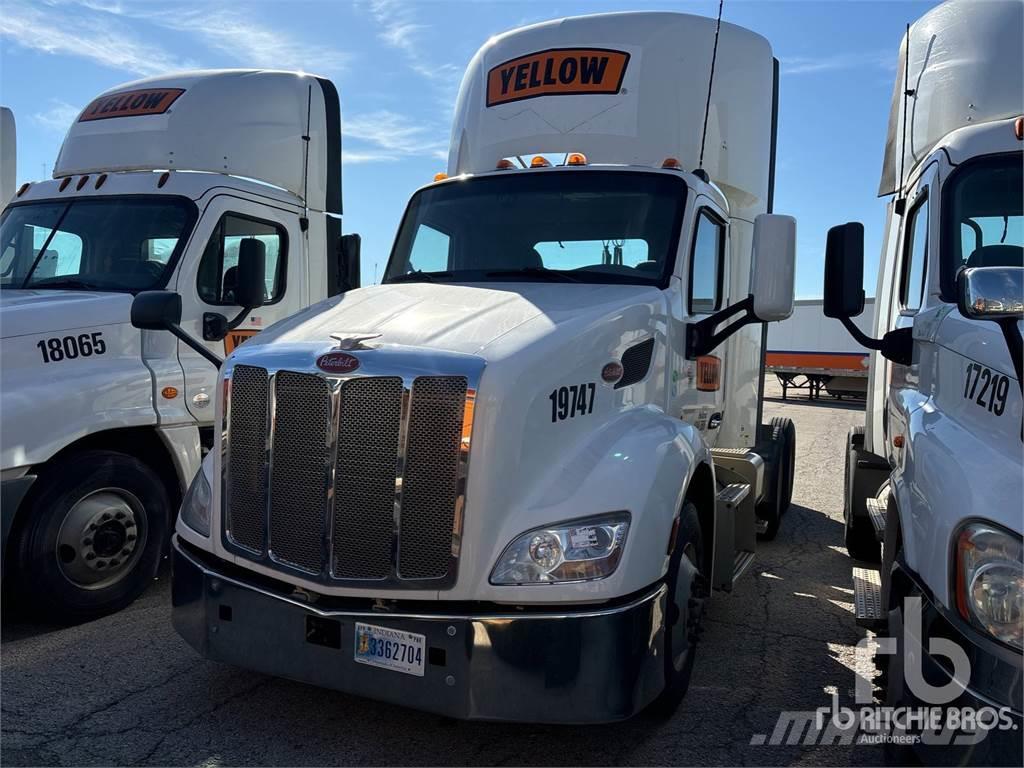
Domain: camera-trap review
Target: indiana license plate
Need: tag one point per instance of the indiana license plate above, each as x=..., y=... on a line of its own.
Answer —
x=390, y=649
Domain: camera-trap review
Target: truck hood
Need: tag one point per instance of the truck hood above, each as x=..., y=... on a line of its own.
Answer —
x=467, y=318
x=31, y=312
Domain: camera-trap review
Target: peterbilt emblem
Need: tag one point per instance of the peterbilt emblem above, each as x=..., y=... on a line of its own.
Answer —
x=337, y=362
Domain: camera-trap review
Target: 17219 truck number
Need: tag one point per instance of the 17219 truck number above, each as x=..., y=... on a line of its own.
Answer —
x=70, y=347
x=993, y=389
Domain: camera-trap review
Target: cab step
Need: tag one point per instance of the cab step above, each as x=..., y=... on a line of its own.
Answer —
x=733, y=494
x=743, y=560
x=867, y=598
x=876, y=511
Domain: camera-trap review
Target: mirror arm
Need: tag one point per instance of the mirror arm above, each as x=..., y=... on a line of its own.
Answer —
x=1015, y=346
x=701, y=337
x=896, y=345
x=859, y=336
x=237, y=321
x=179, y=332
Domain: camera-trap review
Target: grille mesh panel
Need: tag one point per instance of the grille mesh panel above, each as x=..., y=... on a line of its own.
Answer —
x=636, y=361
x=298, y=479
x=247, y=457
x=430, y=478
x=364, y=482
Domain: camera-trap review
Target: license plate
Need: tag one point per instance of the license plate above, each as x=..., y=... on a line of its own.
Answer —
x=390, y=649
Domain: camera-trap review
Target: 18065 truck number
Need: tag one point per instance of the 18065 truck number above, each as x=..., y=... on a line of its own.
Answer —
x=60, y=348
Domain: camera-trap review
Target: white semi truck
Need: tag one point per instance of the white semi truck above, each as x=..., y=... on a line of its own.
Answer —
x=502, y=484
x=224, y=186
x=935, y=479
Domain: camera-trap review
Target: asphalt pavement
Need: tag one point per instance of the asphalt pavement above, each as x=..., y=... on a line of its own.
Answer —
x=126, y=690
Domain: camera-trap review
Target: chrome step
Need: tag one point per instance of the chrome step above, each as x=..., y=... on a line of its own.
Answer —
x=867, y=598
x=743, y=560
x=761, y=526
x=876, y=511
x=733, y=494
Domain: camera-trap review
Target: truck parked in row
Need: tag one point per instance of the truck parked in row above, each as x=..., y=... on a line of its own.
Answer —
x=935, y=479
x=224, y=186
x=502, y=484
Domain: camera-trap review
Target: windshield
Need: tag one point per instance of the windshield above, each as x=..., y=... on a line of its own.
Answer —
x=568, y=226
x=984, y=215
x=107, y=243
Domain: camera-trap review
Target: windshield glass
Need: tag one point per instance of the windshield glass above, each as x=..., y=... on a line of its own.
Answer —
x=108, y=243
x=567, y=226
x=985, y=215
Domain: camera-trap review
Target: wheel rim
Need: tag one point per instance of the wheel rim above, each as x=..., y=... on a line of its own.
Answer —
x=101, y=538
x=682, y=628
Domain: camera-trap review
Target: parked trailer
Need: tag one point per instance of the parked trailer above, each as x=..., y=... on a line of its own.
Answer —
x=936, y=477
x=808, y=351
x=502, y=484
x=223, y=185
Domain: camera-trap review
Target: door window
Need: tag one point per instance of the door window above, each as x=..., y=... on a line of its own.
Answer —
x=218, y=269
x=915, y=257
x=706, y=264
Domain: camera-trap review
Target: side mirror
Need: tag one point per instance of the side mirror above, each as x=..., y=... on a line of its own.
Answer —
x=991, y=293
x=844, y=271
x=156, y=310
x=774, y=255
x=349, y=249
x=251, y=289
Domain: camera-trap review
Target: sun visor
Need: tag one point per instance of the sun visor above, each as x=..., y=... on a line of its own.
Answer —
x=248, y=123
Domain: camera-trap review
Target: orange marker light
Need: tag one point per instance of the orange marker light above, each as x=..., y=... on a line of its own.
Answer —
x=576, y=158
x=82, y=182
x=100, y=181
x=709, y=373
x=169, y=393
x=898, y=441
x=1018, y=128
x=163, y=179
x=539, y=162
x=64, y=184
x=440, y=176
x=505, y=165
x=24, y=188
x=672, y=163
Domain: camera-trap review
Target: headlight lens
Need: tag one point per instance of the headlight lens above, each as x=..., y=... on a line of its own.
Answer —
x=195, y=507
x=990, y=581
x=580, y=550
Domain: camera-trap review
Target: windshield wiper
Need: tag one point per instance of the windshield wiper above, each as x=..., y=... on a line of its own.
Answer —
x=535, y=272
x=415, y=277
x=73, y=283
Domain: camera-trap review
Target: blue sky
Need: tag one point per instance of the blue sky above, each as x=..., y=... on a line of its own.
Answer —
x=397, y=64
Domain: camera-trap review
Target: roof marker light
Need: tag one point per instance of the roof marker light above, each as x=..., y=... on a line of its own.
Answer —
x=1018, y=128
x=576, y=158
x=82, y=182
x=539, y=162
x=24, y=188
x=672, y=164
x=505, y=165
x=64, y=184
x=440, y=176
x=101, y=180
x=163, y=179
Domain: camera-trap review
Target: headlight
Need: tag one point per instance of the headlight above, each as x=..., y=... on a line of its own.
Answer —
x=195, y=507
x=990, y=581
x=580, y=550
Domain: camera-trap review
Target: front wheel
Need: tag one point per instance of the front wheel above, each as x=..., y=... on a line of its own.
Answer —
x=686, y=595
x=92, y=537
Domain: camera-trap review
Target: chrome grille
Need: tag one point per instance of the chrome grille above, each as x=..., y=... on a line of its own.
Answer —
x=300, y=463
x=364, y=478
x=430, y=479
x=247, y=453
x=361, y=480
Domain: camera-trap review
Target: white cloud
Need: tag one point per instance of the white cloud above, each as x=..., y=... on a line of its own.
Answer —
x=102, y=40
x=805, y=65
x=402, y=30
x=58, y=117
x=390, y=136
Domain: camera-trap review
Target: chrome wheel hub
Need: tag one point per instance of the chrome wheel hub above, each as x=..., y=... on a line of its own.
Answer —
x=101, y=538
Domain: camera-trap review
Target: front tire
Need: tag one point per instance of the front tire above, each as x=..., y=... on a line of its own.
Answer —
x=686, y=581
x=92, y=537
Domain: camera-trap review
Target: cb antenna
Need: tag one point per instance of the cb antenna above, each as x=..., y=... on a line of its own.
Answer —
x=907, y=93
x=707, y=105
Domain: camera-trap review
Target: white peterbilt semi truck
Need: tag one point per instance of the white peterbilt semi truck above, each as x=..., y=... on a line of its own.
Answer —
x=224, y=186
x=502, y=484
x=935, y=479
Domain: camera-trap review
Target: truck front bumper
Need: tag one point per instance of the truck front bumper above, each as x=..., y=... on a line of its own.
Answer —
x=585, y=665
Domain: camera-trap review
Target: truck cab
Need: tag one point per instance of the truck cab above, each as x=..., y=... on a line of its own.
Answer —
x=503, y=484
x=166, y=183
x=935, y=479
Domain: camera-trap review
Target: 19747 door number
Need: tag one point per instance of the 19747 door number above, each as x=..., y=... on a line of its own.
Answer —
x=69, y=347
x=571, y=401
x=991, y=394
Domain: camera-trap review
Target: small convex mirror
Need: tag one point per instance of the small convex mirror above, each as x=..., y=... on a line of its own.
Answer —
x=991, y=293
x=774, y=255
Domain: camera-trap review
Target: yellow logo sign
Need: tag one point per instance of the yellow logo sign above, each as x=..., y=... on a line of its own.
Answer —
x=557, y=72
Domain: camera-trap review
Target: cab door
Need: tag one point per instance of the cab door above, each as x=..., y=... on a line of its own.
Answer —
x=207, y=278
x=696, y=385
